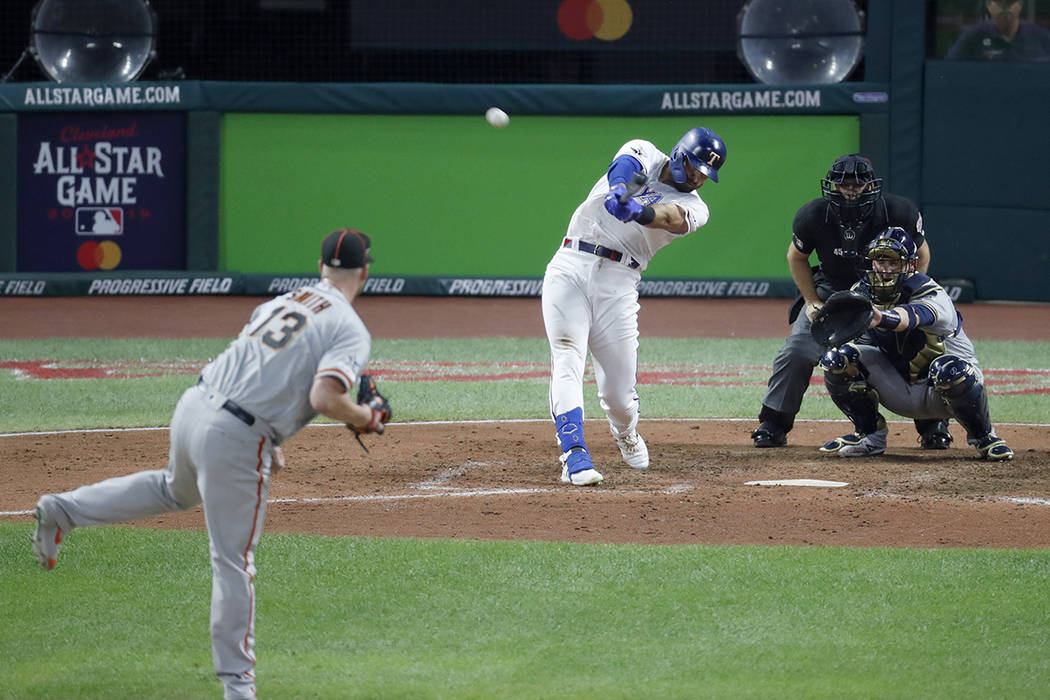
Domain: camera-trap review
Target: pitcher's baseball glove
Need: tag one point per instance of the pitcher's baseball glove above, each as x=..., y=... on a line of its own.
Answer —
x=844, y=317
x=368, y=395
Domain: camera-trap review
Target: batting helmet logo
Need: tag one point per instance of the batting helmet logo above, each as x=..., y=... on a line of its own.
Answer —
x=705, y=151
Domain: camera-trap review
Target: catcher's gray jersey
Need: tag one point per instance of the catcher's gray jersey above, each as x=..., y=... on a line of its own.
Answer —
x=591, y=222
x=912, y=352
x=269, y=368
x=898, y=363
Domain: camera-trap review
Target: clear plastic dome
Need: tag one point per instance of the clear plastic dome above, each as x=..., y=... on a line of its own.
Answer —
x=93, y=41
x=800, y=41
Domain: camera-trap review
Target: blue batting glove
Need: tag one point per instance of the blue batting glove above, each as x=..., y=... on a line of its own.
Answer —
x=624, y=212
x=612, y=200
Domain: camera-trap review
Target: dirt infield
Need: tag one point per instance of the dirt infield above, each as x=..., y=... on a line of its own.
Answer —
x=500, y=480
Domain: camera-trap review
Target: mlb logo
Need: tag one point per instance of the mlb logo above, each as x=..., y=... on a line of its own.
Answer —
x=99, y=221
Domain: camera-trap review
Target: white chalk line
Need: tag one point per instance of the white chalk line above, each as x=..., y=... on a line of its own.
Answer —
x=493, y=421
x=453, y=492
x=1032, y=501
x=462, y=493
x=441, y=492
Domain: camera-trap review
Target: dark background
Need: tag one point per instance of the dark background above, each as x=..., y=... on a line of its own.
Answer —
x=446, y=41
x=948, y=18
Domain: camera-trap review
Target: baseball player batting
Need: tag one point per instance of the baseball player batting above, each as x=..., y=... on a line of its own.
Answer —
x=298, y=356
x=642, y=203
x=915, y=360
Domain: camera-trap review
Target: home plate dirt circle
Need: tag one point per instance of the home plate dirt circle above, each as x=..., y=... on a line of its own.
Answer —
x=488, y=480
x=493, y=481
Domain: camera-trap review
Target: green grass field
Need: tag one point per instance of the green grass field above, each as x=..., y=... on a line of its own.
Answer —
x=120, y=401
x=125, y=615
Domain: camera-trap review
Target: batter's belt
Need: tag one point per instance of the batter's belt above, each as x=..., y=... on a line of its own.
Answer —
x=601, y=251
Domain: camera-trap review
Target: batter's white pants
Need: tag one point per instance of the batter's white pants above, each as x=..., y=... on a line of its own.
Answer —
x=592, y=302
x=218, y=460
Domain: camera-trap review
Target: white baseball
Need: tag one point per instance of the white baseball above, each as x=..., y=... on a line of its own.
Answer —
x=497, y=117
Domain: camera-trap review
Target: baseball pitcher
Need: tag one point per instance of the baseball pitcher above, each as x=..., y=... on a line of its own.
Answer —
x=642, y=203
x=299, y=355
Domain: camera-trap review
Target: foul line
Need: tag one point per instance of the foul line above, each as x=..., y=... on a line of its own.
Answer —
x=1032, y=501
x=470, y=493
x=406, y=496
x=452, y=492
x=493, y=420
x=449, y=492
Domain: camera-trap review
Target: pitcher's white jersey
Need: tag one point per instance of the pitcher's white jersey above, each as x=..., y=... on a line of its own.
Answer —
x=269, y=368
x=592, y=223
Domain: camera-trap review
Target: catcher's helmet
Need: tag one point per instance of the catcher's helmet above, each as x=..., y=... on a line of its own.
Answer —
x=853, y=169
x=705, y=150
x=890, y=260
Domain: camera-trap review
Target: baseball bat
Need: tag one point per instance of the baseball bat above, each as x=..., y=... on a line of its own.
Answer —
x=636, y=184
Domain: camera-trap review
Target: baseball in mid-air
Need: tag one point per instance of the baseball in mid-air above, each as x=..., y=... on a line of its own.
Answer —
x=497, y=117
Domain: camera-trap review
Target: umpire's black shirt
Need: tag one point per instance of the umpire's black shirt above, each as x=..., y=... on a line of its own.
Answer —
x=840, y=249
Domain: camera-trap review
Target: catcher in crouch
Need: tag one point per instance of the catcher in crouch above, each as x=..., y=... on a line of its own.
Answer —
x=914, y=359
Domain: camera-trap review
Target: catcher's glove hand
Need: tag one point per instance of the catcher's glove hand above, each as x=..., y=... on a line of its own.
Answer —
x=368, y=395
x=844, y=317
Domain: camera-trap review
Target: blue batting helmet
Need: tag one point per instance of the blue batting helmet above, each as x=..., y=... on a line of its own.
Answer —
x=705, y=150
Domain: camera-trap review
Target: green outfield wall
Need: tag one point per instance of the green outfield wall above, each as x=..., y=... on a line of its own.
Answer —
x=451, y=195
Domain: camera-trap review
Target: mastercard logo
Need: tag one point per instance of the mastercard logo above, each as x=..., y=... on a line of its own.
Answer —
x=607, y=20
x=93, y=255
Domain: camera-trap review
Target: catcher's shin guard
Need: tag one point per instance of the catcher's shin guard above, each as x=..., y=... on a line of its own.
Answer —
x=846, y=380
x=955, y=380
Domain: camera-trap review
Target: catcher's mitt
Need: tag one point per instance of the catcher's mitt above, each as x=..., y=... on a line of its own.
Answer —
x=368, y=395
x=844, y=317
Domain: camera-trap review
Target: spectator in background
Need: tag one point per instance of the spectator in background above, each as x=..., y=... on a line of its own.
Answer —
x=1003, y=36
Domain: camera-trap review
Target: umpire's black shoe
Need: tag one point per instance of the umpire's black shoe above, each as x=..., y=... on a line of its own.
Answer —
x=769, y=435
x=937, y=437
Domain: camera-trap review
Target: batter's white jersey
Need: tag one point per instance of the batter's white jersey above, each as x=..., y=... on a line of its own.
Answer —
x=590, y=292
x=269, y=368
x=591, y=222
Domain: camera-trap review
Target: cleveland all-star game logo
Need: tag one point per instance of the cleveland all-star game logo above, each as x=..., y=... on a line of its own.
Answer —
x=101, y=191
x=97, y=174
